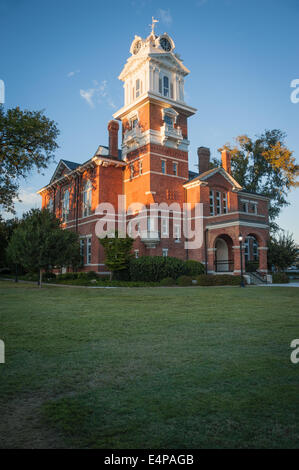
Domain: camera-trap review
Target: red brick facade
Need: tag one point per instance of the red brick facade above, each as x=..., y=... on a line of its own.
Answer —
x=153, y=168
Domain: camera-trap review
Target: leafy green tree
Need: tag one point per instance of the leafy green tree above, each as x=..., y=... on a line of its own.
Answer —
x=27, y=142
x=282, y=251
x=6, y=230
x=266, y=166
x=39, y=243
x=117, y=253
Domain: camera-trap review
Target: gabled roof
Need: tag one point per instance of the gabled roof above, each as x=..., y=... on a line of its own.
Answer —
x=62, y=165
x=207, y=174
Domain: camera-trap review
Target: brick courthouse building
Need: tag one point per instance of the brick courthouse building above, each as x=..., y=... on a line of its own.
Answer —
x=152, y=167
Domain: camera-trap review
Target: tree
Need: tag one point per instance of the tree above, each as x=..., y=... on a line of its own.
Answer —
x=39, y=243
x=6, y=230
x=117, y=253
x=282, y=251
x=27, y=142
x=265, y=166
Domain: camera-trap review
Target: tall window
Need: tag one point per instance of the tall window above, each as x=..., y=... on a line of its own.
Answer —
x=88, y=250
x=163, y=167
x=218, y=202
x=246, y=249
x=65, y=205
x=212, y=203
x=177, y=232
x=140, y=167
x=164, y=224
x=82, y=246
x=255, y=252
x=224, y=201
x=165, y=252
x=175, y=169
x=132, y=171
x=138, y=87
x=165, y=86
x=136, y=254
x=87, y=195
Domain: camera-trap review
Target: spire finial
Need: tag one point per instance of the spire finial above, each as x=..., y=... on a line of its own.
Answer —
x=153, y=25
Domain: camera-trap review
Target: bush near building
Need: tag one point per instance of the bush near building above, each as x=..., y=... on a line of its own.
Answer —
x=156, y=268
x=280, y=278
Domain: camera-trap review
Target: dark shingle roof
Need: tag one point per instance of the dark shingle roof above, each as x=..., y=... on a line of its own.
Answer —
x=71, y=165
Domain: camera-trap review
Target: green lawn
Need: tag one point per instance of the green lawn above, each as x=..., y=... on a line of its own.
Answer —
x=148, y=368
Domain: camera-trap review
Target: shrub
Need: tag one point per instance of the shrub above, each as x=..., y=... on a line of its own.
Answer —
x=156, y=268
x=218, y=280
x=67, y=276
x=193, y=268
x=184, y=281
x=91, y=275
x=168, y=281
x=280, y=278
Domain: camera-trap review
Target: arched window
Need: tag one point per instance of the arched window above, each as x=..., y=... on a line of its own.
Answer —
x=65, y=205
x=87, y=194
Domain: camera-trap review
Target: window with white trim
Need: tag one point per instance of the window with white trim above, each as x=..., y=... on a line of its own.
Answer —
x=224, y=203
x=88, y=250
x=131, y=171
x=87, y=195
x=175, y=169
x=138, y=87
x=82, y=246
x=140, y=167
x=177, y=232
x=136, y=254
x=163, y=166
x=218, y=202
x=165, y=252
x=164, y=225
x=165, y=86
x=66, y=205
x=212, y=203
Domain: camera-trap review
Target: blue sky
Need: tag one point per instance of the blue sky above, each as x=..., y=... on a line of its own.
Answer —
x=242, y=56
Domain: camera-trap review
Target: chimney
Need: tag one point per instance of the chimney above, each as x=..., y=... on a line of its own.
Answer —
x=203, y=159
x=113, y=127
x=225, y=159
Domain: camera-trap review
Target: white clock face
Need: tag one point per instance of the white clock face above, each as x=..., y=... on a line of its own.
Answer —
x=165, y=44
x=137, y=47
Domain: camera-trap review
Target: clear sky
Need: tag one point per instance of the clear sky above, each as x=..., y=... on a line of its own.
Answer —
x=64, y=56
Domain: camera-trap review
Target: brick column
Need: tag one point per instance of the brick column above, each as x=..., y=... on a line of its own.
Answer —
x=263, y=267
x=237, y=259
x=211, y=260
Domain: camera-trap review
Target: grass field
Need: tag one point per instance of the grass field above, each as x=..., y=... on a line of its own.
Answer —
x=148, y=368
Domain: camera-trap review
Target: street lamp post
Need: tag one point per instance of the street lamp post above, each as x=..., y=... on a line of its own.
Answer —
x=242, y=283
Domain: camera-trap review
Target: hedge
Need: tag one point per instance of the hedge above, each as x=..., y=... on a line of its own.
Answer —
x=156, y=268
x=218, y=280
x=280, y=278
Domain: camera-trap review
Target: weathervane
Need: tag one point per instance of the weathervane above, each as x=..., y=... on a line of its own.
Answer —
x=153, y=25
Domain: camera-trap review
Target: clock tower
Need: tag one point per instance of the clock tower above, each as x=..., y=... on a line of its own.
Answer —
x=154, y=121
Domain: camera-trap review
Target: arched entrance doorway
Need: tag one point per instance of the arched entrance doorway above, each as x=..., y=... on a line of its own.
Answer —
x=223, y=254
